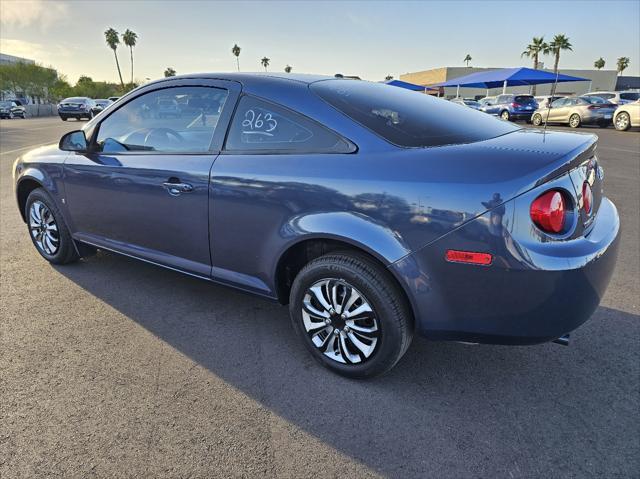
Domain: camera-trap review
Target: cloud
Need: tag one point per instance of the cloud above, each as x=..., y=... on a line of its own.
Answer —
x=33, y=51
x=24, y=13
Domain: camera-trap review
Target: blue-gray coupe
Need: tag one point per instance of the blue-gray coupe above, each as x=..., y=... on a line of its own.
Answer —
x=374, y=212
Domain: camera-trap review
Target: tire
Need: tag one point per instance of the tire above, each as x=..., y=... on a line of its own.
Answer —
x=574, y=120
x=536, y=120
x=384, y=333
x=54, y=245
x=63, y=118
x=622, y=121
x=603, y=124
x=505, y=115
x=11, y=116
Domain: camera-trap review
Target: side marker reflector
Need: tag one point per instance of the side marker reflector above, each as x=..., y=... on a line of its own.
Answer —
x=456, y=256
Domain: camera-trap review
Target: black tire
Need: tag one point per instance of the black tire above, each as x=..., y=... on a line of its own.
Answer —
x=575, y=121
x=536, y=120
x=505, y=115
x=603, y=124
x=66, y=251
x=391, y=311
x=63, y=118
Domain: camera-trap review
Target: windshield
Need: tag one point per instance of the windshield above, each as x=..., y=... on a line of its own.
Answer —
x=471, y=103
x=407, y=118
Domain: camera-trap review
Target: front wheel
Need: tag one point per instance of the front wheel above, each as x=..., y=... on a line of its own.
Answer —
x=351, y=315
x=574, y=120
x=505, y=115
x=63, y=118
x=536, y=120
x=47, y=230
x=622, y=121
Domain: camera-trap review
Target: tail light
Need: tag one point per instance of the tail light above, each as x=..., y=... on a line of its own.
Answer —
x=548, y=211
x=587, y=198
x=516, y=105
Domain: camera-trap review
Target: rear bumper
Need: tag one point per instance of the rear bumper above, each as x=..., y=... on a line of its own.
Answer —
x=528, y=294
x=522, y=115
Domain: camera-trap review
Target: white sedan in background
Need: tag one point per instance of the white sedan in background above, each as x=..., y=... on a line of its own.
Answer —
x=627, y=115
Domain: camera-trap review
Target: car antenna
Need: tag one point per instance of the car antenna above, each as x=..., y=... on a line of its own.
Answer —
x=553, y=91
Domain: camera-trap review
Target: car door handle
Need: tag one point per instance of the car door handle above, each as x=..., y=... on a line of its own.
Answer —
x=176, y=189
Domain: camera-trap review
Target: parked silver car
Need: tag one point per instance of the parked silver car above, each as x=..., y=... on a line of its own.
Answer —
x=576, y=111
x=615, y=97
x=466, y=102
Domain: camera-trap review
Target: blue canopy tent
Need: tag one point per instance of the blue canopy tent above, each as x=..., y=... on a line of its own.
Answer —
x=508, y=77
x=409, y=86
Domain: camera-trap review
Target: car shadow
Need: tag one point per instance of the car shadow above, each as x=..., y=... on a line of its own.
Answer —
x=446, y=406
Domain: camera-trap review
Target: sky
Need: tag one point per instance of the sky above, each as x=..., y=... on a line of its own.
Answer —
x=370, y=39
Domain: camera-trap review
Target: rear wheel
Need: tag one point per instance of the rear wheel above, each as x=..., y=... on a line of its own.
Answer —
x=47, y=230
x=574, y=120
x=536, y=120
x=351, y=315
x=622, y=121
x=505, y=115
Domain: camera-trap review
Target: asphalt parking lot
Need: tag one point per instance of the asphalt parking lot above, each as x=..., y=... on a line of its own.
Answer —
x=112, y=367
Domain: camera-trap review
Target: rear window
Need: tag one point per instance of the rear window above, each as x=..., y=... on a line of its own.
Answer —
x=630, y=96
x=594, y=99
x=407, y=118
x=524, y=99
x=74, y=99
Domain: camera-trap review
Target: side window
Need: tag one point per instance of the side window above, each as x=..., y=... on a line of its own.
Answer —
x=258, y=125
x=171, y=120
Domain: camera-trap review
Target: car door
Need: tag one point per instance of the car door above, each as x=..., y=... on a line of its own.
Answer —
x=557, y=110
x=261, y=181
x=143, y=188
x=494, y=107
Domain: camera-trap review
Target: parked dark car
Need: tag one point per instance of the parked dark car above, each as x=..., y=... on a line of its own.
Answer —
x=101, y=104
x=512, y=107
x=77, y=107
x=372, y=211
x=12, y=109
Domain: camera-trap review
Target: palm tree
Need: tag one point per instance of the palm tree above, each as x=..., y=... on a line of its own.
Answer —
x=559, y=43
x=236, y=51
x=599, y=63
x=622, y=64
x=534, y=49
x=388, y=78
x=113, y=40
x=265, y=62
x=467, y=59
x=129, y=38
x=169, y=72
x=288, y=68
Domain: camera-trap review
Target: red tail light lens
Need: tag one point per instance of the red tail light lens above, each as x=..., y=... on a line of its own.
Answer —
x=548, y=212
x=472, y=257
x=587, y=197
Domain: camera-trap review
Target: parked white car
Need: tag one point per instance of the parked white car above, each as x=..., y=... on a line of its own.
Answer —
x=616, y=97
x=627, y=115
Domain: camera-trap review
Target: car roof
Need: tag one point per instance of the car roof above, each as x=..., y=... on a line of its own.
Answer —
x=257, y=78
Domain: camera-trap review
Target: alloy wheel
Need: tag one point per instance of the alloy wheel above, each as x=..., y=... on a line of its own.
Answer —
x=43, y=228
x=340, y=321
x=574, y=121
x=622, y=121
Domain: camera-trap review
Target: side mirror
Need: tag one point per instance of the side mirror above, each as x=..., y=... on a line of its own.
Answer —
x=74, y=141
